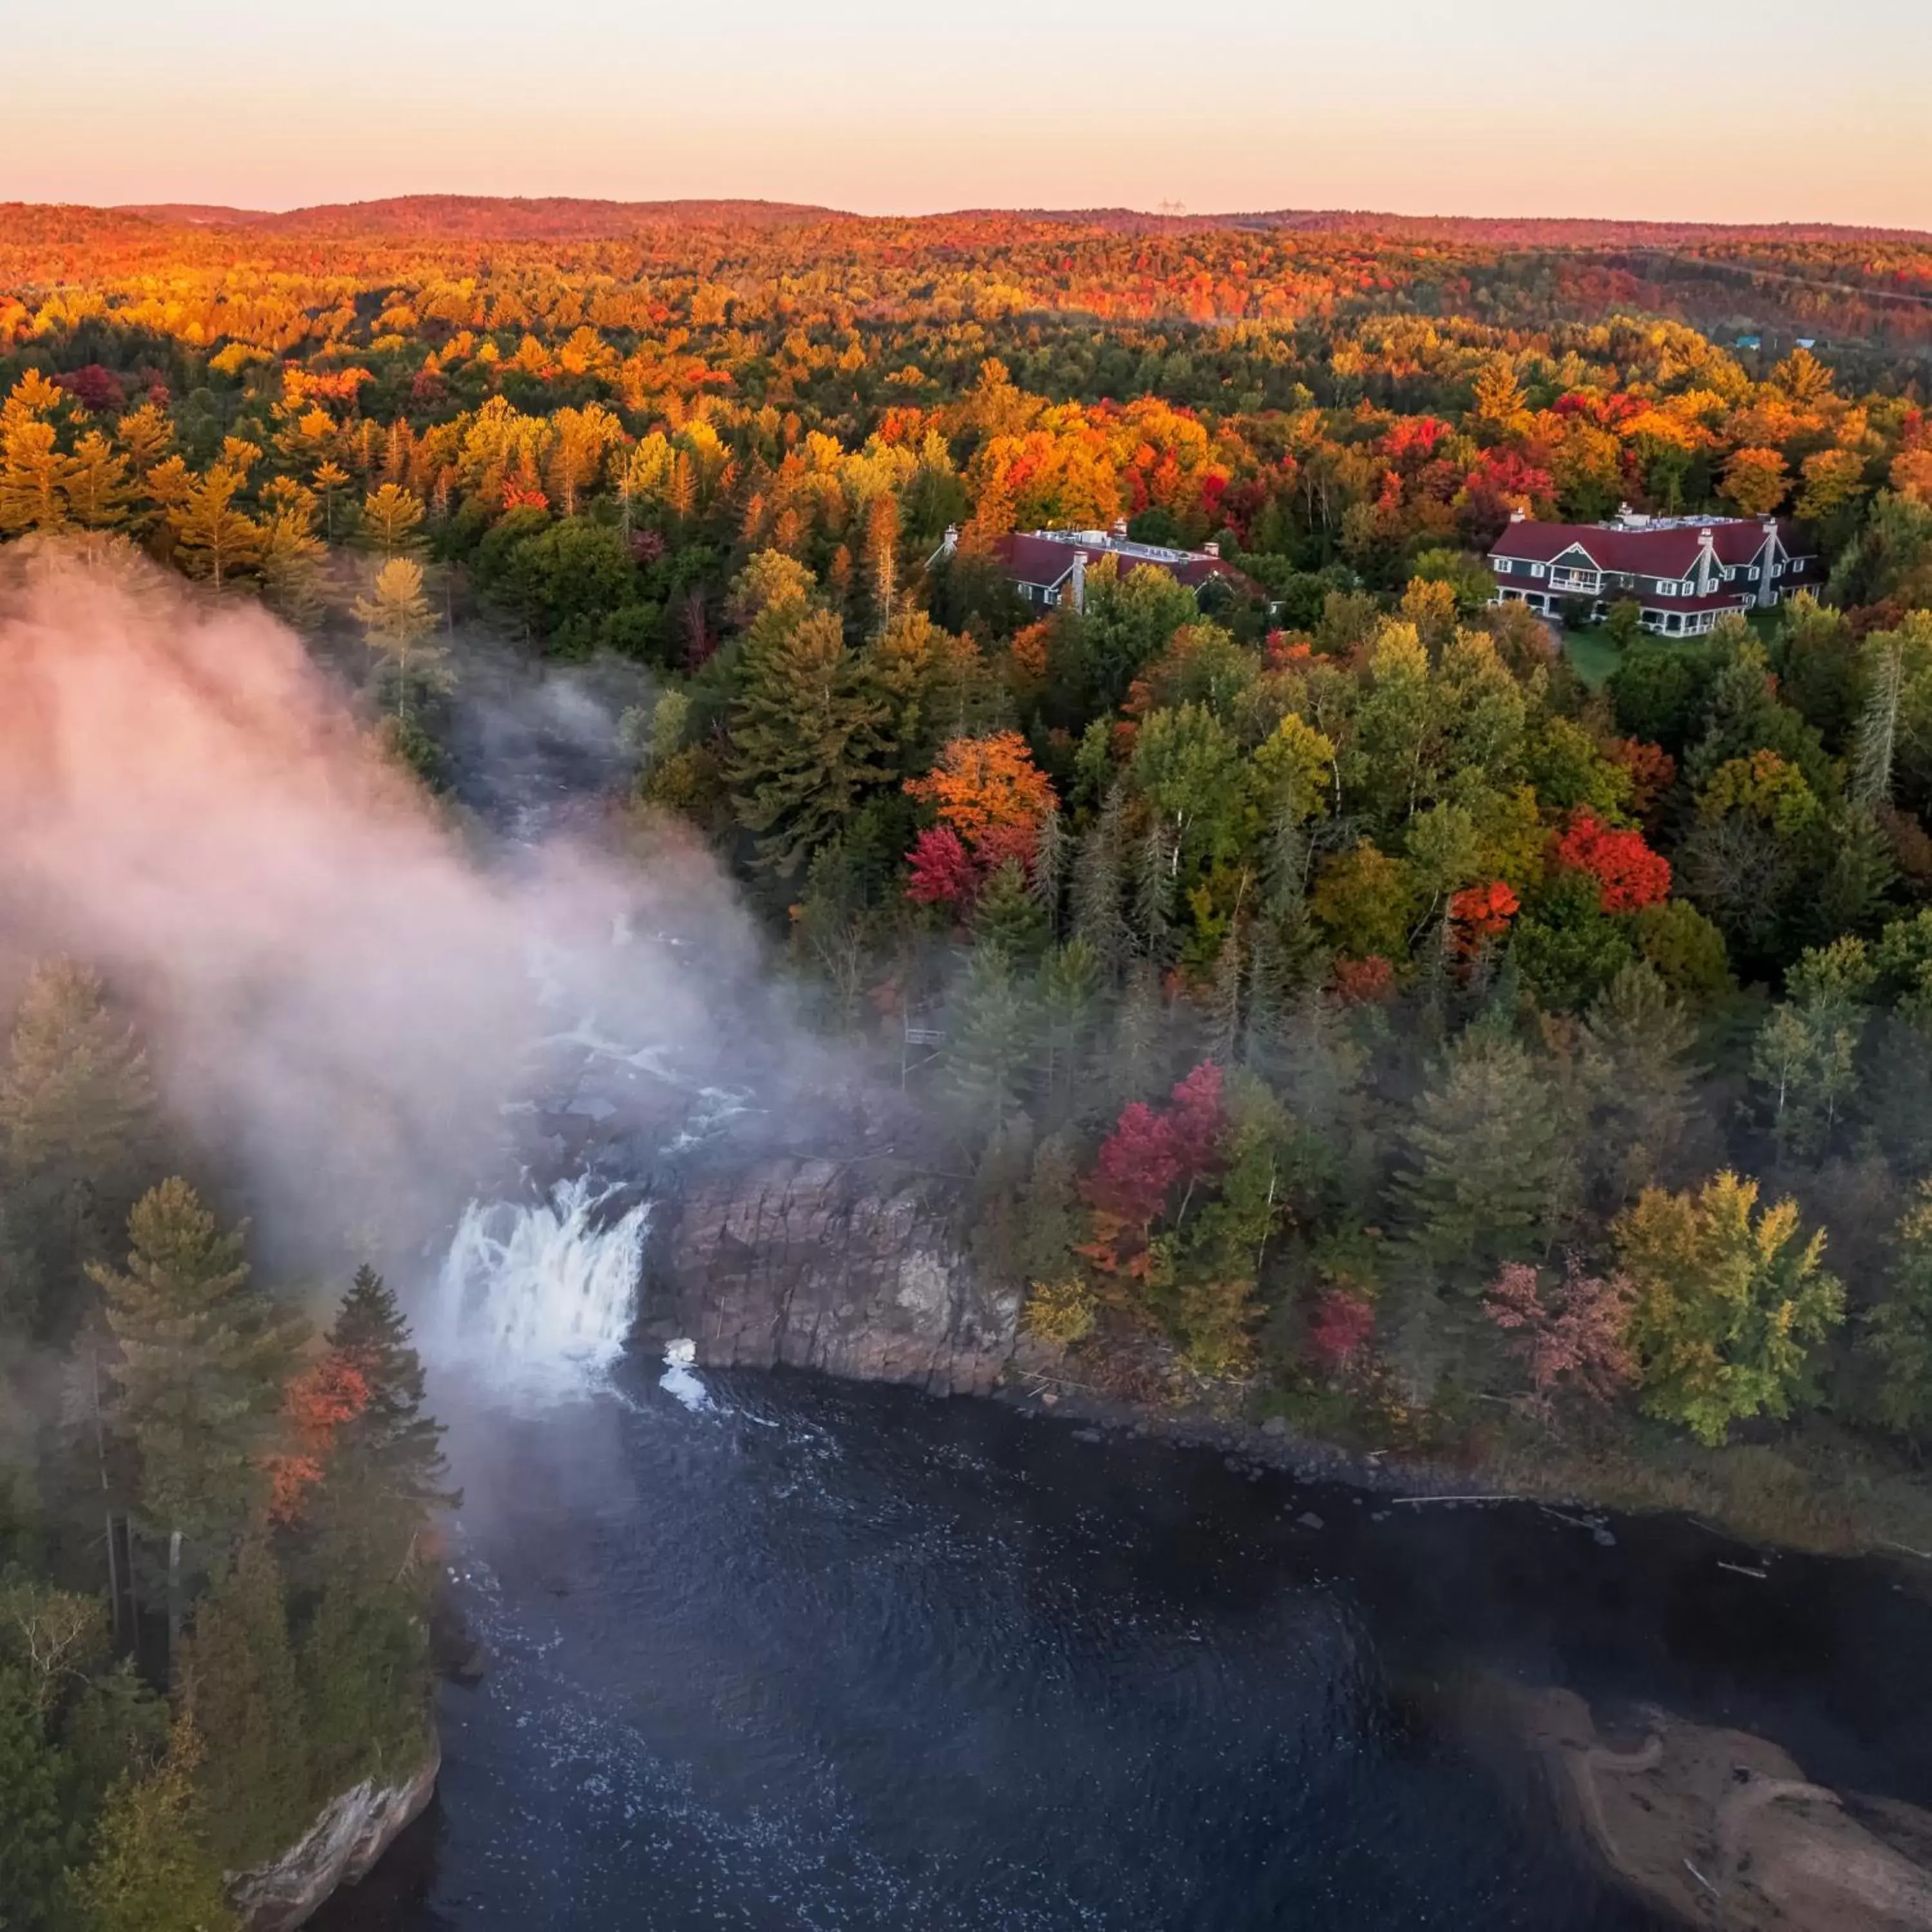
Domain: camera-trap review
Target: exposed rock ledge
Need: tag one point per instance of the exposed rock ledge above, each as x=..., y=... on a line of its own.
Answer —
x=851, y=1267
x=351, y=1833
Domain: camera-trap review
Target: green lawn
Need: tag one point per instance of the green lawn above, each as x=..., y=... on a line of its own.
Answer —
x=1593, y=654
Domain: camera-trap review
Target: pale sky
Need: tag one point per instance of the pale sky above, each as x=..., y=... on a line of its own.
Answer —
x=1756, y=110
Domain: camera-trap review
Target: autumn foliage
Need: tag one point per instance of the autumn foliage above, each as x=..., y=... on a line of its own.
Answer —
x=1340, y=1330
x=1480, y=914
x=1151, y=1151
x=991, y=798
x=1573, y=1336
x=1629, y=874
x=315, y=1403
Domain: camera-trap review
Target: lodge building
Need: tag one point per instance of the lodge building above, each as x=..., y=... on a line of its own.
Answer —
x=1683, y=572
x=1049, y=568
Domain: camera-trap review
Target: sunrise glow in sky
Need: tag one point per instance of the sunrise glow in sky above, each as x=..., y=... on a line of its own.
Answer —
x=1718, y=109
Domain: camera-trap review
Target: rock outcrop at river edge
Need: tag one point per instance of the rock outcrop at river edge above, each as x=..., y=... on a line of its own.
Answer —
x=851, y=1267
x=353, y=1831
x=1721, y=1828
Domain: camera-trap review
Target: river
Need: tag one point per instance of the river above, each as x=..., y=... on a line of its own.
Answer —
x=774, y=1651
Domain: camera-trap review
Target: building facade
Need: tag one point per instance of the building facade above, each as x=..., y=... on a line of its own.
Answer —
x=1049, y=568
x=1684, y=573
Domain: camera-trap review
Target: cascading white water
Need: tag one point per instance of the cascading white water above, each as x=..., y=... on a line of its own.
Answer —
x=543, y=1292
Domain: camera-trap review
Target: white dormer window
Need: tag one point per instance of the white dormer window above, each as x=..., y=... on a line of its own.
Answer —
x=1536, y=570
x=1504, y=563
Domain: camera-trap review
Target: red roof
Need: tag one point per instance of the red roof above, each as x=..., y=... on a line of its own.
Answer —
x=1047, y=561
x=1667, y=549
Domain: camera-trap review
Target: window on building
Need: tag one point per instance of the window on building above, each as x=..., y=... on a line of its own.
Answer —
x=1536, y=570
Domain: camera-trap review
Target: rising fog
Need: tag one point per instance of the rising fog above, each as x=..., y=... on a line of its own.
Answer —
x=341, y=996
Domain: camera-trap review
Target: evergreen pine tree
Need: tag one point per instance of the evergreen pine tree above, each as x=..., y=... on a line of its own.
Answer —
x=1052, y=854
x=1069, y=981
x=987, y=1044
x=1225, y=1032
x=1139, y=1027
x=1850, y=895
x=1875, y=742
x=1006, y=914
x=36, y=1831
x=151, y=1869
x=202, y=1359
x=1097, y=918
x=1898, y=1331
x=239, y=1669
x=1154, y=880
x=1635, y=1061
x=77, y=1114
x=367, y=1680
x=1490, y=1175
x=807, y=737
x=386, y=1472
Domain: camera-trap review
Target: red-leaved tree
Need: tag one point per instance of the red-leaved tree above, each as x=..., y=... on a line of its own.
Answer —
x=1573, y=1335
x=940, y=871
x=1628, y=874
x=1340, y=1330
x=1481, y=913
x=315, y=1404
x=1151, y=1151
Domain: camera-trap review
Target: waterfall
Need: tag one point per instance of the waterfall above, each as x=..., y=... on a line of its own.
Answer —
x=545, y=1291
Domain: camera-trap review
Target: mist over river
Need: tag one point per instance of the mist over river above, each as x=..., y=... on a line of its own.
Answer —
x=826, y=1655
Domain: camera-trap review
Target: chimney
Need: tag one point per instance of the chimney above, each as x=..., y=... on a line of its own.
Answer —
x=1210, y=549
x=1078, y=592
x=1519, y=515
x=950, y=543
x=1119, y=531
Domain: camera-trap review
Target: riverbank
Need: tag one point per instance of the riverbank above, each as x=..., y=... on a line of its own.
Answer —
x=1813, y=1488
x=856, y=1266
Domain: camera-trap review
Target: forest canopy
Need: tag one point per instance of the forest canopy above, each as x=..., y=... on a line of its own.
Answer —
x=1341, y=995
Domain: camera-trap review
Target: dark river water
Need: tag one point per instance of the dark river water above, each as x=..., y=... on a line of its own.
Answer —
x=834, y=1656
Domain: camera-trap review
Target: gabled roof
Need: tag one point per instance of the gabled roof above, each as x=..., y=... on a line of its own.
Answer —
x=1045, y=558
x=1668, y=549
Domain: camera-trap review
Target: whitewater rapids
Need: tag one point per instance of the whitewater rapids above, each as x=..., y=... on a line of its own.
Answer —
x=544, y=1291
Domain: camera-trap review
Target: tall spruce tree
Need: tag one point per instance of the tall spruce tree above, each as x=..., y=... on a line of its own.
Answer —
x=386, y=1472
x=989, y=1042
x=202, y=1359
x=808, y=736
x=1637, y=1072
x=77, y=1114
x=1490, y=1175
x=238, y=1669
x=1097, y=917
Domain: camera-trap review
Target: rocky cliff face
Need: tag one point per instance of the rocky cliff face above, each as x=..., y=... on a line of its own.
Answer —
x=847, y=1267
x=351, y=1833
